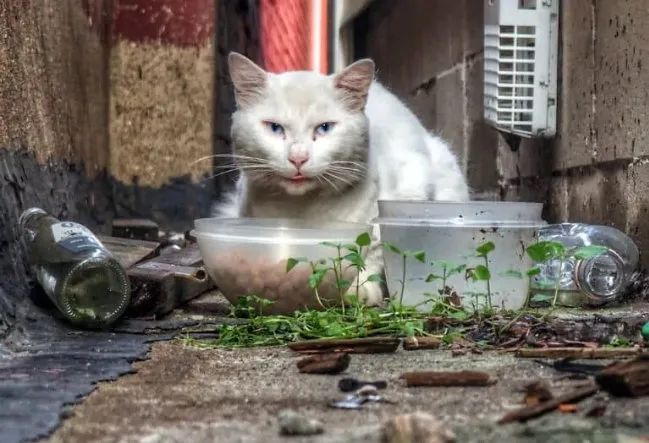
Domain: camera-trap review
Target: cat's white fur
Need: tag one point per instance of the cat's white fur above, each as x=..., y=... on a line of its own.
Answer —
x=404, y=161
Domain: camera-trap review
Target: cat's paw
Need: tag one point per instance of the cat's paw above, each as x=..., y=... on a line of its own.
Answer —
x=370, y=294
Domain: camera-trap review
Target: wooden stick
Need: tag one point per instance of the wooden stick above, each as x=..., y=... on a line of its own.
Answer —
x=415, y=343
x=366, y=345
x=568, y=352
x=529, y=412
x=459, y=378
x=626, y=379
x=333, y=363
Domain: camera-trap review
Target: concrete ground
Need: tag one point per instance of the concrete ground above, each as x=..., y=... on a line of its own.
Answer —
x=183, y=394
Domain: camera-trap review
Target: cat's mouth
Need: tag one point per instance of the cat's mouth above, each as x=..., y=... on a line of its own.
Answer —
x=299, y=178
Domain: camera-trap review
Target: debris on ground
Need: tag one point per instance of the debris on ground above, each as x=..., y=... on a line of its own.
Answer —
x=447, y=378
x=364, y=394
x=352, y=384
x=294, y=423
x=528, y=412
x=333, y=363
x=417, y=427
x=366, y=345
x=136, y=228
x=416, y=343
x=578, y=353
x=537, y=392
x=626, y=379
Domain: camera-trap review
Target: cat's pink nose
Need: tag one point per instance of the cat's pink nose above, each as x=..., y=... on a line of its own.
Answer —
x=298, y=159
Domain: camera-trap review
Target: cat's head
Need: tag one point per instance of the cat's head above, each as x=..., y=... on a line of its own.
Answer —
x=299, y=132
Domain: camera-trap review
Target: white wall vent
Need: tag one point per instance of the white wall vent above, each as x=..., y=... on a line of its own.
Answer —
x=520, y=66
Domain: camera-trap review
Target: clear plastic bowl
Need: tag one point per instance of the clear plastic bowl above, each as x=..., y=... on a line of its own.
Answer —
x=450, y=232
x=248, y=256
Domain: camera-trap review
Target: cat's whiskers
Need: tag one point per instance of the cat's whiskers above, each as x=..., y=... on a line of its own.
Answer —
x=230, y=156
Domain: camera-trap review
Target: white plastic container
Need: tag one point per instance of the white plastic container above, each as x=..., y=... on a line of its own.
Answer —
x=248, y=256
x=451, y=232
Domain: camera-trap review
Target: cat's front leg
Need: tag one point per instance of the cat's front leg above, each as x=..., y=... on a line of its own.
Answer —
x=370, y=292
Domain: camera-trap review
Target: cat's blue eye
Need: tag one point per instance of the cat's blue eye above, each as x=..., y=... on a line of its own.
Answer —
x=275, y=128
x=324, y=128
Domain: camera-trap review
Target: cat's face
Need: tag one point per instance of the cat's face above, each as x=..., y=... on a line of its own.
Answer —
x=300, y=132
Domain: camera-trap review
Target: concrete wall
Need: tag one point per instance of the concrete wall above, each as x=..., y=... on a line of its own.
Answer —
x=596, y=169
x=430, y=54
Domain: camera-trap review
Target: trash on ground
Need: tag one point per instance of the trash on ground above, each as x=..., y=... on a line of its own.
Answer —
x=364, y=394
x=537, y=392
x=426, y=342
x=583, y=353
x=164, y=282
x=352, y=384
x=568, y=408
x=294, y=423
x=458, y=378
x=592, y=280
x=136, y=228
x=567, y=365
x=83, y=280
x=626, y=379
x=129, y=252
x=366, y=345
x=417, y=427
x=333, y=363
x=528, y=412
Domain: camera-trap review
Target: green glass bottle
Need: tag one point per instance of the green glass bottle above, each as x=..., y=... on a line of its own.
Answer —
x=88, y=286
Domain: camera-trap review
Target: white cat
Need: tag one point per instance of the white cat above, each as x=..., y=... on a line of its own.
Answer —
x=328, y=147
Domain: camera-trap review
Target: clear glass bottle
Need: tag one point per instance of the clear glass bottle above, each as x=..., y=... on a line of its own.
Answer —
x=79, y=275
x=592, y=281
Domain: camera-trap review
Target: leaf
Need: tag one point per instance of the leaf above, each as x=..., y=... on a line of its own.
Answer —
x=545, y=250
x=355, y=259
x=375, y=278
x=316, y=278
x=455, y=270
x=292, y=262
x=343, y=284
x=459, y=315
x=591, y=251
x=432, y=277
x=364, y=239
x=485, y=248
x=417, y=255
x=480, y=272
x=541, y=298
x=392, y=248
x=512, y=273
x=350, y=247
x=533, y=271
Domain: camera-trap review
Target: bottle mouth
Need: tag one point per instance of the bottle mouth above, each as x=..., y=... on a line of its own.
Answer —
x=601, y=278
x=27, y=214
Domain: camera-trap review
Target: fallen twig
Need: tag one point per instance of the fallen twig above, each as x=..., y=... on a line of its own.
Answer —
x=415, y=343
x=366, y=345
x=571, y=352
x=333, y=363
x=459, y=378
x=627, y=379
x=528, y=412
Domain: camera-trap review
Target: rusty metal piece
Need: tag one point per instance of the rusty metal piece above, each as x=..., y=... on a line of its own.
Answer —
x=162, y=283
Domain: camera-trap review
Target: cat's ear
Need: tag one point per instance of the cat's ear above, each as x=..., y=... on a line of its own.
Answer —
x=248, y=79
x=354, y=82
